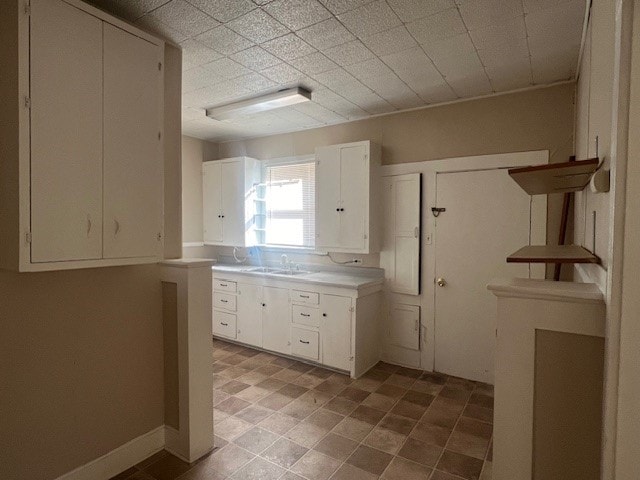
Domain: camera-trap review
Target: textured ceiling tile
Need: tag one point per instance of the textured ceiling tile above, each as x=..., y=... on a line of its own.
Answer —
x=562, y=21
x=195, y=54
x=510, y=77
x=197, y=78
x=297, y=14
x=255, y=58
x=508, y=32
x=258, y=26
x=282, y=73
x=224, y=10
x=370, y=18
x=338, y=80
x=223, y=40
x=506, y=54
x=480, y=13
x=154, y=26
x=226, y=68
x=535, y=5
x=349, y=53
x=390, y=41
x=439, y=93
x=436, y=27
x=184, y=18
x=449, y=47
x=554, y=66
x=413, y=65
x=326, y=34
x=402, y=100
x=340, y=6
x=373, y=67
x=288, y=47
x=459, y=65
x=410, y=10
x=189, y=113
x=369, y=101
x=256, y=82
x=314, y=63
x=471, y=86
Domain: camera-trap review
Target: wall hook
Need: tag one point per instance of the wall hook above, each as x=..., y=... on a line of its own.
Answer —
x=437, y=211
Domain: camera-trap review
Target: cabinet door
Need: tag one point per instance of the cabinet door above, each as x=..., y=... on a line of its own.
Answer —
x=249, y=321
x=404, y=326
x=327, y=197
x=212, y=202
x=233, y=200
x=335, y=331
x=133, y=159
x=354, y=196
x=66, y=133
x=276, y=320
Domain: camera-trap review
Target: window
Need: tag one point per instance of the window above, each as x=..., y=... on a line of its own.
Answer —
x=289, y=208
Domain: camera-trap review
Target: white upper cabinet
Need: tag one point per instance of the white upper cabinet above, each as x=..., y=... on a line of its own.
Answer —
x=85, y=178
x=133, y=164
x=229, y=201
x=66, y=133
x=346, y=197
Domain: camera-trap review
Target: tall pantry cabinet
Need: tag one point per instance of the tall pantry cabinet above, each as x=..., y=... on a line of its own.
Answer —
x=82, y=148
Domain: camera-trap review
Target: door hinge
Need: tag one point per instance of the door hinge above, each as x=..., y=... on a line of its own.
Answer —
x=27, y=9
x=27, y=102
x=159, y=135
x=28, y=237
x=351, y=309
x=160, y=66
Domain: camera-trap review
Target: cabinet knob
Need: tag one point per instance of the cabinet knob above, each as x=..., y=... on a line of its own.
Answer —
x=264, y=304
x=324, y=314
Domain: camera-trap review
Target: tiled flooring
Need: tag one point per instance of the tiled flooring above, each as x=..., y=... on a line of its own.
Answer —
x=276, y=418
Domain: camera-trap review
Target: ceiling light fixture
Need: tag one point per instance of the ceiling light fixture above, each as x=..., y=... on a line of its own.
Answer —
x=271, y=101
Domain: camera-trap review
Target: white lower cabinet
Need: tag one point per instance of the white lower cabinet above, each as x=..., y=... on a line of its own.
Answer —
x=287, y=317
x=249, y=306
x=276, y=319
x=335, y=331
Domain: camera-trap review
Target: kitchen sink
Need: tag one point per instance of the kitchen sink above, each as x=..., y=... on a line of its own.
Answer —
x=274, y=271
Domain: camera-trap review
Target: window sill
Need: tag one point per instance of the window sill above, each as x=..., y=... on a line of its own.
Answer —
x=289, y=249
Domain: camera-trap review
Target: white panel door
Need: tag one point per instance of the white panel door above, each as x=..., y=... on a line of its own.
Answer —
x=66, y=133
x=487, y=217
x=133, y=160
x=327, y=197
x=404, y=326
x=335, y=331
x=233, y=201
x=212, y=202
x=276, y=320
x=249, y=308
x=354, y=196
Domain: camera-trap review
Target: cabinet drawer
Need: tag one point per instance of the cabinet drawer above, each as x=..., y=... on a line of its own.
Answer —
x=304, y=343
x=224, y=285
x=305, y=315
x=224, y=300
x=298, y=296
x=224, y=324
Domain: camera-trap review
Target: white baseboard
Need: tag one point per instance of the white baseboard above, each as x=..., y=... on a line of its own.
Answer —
x=120, y=459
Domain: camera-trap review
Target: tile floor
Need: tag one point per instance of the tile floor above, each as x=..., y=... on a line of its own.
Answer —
x=276, y=418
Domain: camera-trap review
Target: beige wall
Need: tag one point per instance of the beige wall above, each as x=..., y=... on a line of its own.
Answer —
x=194, y=152
x=82, y=366
x=594, y=104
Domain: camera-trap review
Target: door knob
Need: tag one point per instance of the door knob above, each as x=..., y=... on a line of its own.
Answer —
x=441, y=282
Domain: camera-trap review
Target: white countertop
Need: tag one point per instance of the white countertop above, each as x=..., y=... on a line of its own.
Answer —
x=342, y=279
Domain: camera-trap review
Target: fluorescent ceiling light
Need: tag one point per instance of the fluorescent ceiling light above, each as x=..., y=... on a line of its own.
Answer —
x=271, y=101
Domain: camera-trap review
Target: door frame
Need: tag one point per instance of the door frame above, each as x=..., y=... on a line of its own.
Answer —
x=429, y=170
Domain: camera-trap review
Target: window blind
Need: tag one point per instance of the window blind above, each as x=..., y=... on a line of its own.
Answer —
x=290, y=199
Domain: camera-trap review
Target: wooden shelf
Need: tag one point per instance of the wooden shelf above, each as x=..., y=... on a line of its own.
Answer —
x=552, y=254
x=555, y=177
